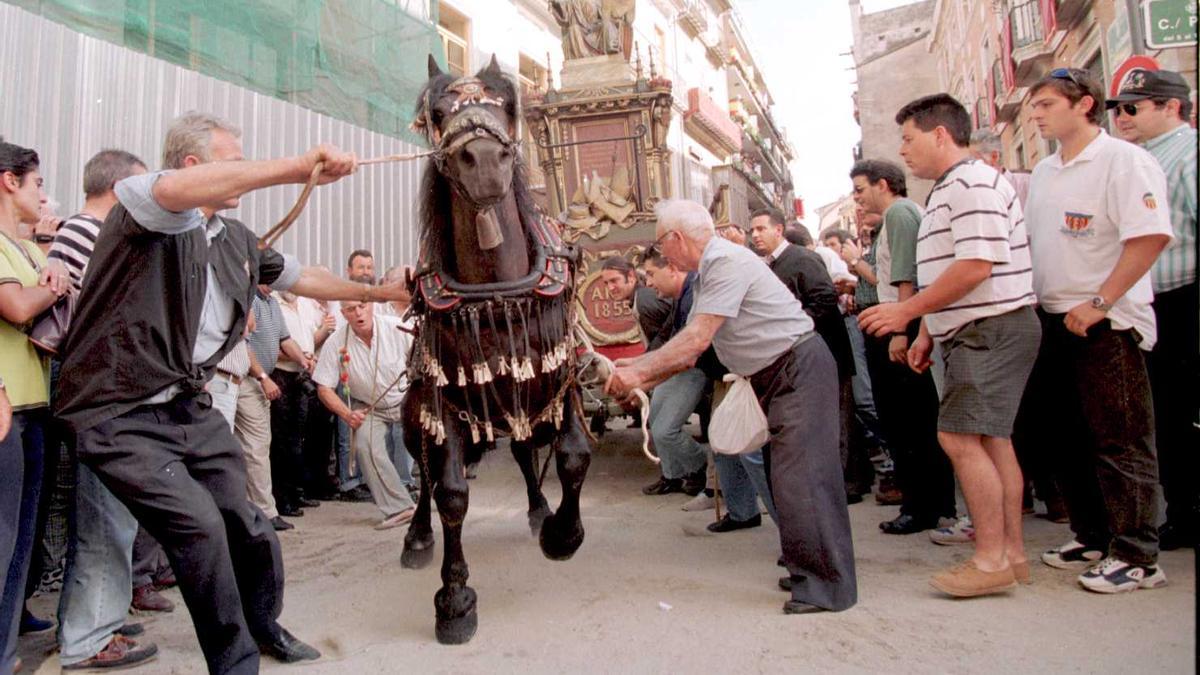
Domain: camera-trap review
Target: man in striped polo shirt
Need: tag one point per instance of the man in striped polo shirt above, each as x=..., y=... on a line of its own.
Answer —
x=1153, y=109
x=976, y=297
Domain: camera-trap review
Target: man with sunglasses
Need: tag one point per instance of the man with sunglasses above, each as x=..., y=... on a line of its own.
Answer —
x=1097, y=219
x=1152, y=110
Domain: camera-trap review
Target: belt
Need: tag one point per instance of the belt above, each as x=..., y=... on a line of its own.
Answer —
x=235, y=379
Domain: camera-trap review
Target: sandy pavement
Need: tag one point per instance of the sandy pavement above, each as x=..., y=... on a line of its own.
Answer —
x=641, y=596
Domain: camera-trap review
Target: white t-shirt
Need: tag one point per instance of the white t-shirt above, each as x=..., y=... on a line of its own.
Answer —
x=1080, y=213
x=974, y=214
x=371, y=369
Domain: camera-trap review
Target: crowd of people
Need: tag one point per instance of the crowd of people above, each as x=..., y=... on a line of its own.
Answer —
x=1020, y=334
x=1023, y=335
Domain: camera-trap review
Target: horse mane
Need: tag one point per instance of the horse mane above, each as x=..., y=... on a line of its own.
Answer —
x=435, y=240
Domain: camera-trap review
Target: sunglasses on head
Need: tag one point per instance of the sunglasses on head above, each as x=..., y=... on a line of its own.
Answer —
x=1071, y=75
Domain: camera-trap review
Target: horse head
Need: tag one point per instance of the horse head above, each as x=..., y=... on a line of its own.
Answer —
x=474, y=124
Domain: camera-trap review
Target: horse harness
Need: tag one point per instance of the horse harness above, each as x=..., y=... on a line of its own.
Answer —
x=507, y=311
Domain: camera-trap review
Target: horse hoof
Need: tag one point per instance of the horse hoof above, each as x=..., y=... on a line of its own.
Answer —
x=537, y=517
x=416, y=558
x=560, y=540
x=457, y=631
x=456, y=616
x=418, y=552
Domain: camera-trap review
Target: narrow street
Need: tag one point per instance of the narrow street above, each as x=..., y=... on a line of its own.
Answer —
x=642, y=596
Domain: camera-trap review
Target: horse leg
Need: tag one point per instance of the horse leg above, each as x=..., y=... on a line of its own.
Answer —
x=455, y=601
x=562, y=532
x=538, y=508
x=418, y=543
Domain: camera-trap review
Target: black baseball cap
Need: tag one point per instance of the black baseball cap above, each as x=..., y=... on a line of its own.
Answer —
x=1142, y=84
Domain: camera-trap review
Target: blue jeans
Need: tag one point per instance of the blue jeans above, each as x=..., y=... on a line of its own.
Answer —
x=347, y=480
x=743, y=478
x=21, y=459
x=864, y=400
x=671, y=404
x=399, y=453
x=98, y=581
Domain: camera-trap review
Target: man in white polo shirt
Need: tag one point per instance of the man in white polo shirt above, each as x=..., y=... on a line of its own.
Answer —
x=369, y=355
x=1097, y=216
x=976, y=298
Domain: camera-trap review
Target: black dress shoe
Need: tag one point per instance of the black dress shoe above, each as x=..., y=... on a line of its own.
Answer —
x=727, y=524
x=853, y=498
x=290, y=511
x=798, y=607
x=785, y=583
x=781, y=562
x=285, y=647
x=663, y=486
x=356, y=494
x=906, y=524
x=693, y=483
x=305, y=502
x=280, y=524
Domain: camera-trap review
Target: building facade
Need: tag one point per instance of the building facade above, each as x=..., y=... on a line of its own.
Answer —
x=78, y=79
x=989, y=53
x=893, y=67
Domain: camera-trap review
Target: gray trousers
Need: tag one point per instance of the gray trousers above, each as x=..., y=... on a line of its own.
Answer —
x=797, y=392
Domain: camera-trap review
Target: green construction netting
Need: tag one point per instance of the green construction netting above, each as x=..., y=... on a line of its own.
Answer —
x=363, y=61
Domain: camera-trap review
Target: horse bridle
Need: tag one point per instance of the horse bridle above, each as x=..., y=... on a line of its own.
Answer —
x=469, y=120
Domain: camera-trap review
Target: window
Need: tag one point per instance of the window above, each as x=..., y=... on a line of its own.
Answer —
x=454, y=28
x=531, y=74
x=660, y=40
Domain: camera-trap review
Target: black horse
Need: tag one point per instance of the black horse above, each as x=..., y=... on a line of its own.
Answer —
x=494, y=353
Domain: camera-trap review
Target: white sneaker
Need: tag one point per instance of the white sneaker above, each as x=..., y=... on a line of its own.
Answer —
x=1117, y=576
x=961, y=532
x=700, y=502
x=1072, y=556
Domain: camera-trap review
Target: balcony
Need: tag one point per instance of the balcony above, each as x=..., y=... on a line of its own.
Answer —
x=1031, y=26
x=706, y=122
x=693, y=18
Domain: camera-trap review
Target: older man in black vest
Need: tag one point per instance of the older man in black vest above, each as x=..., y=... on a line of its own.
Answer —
x=166, y=296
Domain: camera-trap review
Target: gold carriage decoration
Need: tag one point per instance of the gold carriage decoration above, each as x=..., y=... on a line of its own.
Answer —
x=602, y=146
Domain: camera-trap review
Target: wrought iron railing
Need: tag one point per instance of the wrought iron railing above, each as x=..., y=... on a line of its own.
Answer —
x=1026, y=24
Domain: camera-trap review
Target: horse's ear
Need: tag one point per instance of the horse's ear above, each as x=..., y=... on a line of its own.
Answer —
x=493, y=68
x=434, y=70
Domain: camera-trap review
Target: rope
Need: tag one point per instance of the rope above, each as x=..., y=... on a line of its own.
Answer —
x=605, y=369
x=282, y=226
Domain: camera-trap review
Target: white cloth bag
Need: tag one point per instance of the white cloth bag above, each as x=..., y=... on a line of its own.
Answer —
x=738, y=425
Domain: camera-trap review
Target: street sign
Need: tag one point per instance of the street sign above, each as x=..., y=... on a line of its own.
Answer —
x=1170, y=23
x=1119, y=75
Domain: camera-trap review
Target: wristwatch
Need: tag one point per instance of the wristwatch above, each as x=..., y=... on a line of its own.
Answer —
x=262, y=377
x=1098, y=302
x=43, y=239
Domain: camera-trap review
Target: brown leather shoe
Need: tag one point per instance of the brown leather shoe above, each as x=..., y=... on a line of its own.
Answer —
x=120, y=652
x=1021, y=573
x=965, y=580
x=146, y=599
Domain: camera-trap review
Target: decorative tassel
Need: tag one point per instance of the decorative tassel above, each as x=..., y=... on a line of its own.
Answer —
x=462, y=377
x=487, y=372
x=441, y=433
x=489, y=431
x=503, y=368
x=474, y=433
